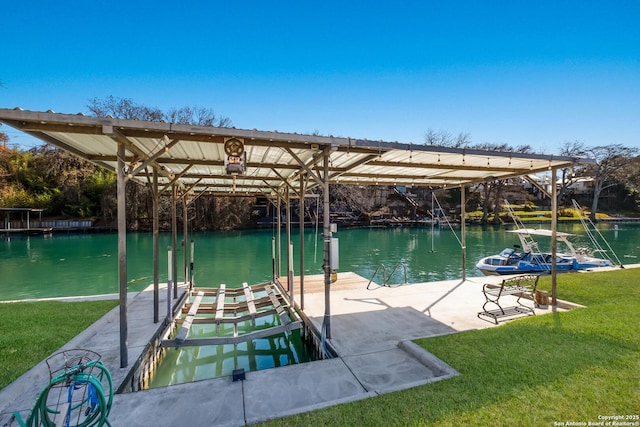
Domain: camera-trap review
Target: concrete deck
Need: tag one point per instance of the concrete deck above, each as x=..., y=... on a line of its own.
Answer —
x=370, y=329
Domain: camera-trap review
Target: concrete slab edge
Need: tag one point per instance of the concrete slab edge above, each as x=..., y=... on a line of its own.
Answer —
x=313, y=407
x=427, y=359
x=417, y=383
x=67, y=299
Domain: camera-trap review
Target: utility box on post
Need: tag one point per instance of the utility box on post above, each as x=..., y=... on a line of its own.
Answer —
x=335, y=254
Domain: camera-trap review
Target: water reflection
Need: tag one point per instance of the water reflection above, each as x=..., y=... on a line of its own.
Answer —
x=86, y=264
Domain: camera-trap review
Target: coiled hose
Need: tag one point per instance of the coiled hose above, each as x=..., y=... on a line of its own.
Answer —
x=91, y=409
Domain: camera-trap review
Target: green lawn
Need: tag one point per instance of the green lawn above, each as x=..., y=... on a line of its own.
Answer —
x=561, y=367
x=524, y=216
x=32, y=331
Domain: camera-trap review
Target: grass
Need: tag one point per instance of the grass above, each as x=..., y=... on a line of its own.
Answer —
x=32, y=331
x=524, y=215
x=561, y=367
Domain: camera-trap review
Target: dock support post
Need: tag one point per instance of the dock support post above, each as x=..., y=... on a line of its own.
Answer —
x=326, y=227
x=554, y=234
x=288, y=233
x=301, y=215
x=169, y=275
x=278, y=232
x=185, y=225
x=121, y=179
x=156, y=248
x=463, y=231
x=174, y=239
x=273, y=258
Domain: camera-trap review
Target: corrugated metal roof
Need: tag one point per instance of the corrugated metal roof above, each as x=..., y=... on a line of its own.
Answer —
x=196, y=155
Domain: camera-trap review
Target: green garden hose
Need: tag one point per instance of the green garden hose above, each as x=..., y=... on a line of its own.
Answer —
x=90, y=410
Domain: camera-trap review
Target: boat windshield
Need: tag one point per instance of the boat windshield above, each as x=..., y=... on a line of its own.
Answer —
x=508, y=252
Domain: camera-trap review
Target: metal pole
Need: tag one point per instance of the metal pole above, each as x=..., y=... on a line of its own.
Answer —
x=433, y=220
x=156, y=250
x=184, y=237
x=169, y=275
x=121, y=178
x=301, y=215
x=554, y=234
x=326, y=227
x=174, y=244
x=288, y=231
x=273, y=258
x=463, y=231
x=279, y=250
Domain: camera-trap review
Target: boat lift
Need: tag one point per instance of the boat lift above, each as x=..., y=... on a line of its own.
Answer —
x=247, y=304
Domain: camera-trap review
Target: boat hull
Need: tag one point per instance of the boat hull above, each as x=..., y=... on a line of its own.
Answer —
x=539, y=263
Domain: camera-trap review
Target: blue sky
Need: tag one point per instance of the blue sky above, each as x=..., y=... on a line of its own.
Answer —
x=538, y=73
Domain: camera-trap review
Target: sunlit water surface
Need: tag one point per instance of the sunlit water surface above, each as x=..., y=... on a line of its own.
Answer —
x=86, y=264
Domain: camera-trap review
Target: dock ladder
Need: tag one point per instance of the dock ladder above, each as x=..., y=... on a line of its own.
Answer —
x=386, y=278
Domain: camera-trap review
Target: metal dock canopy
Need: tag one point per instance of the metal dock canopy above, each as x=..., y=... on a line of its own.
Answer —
x=195, y=160
x=197, y=157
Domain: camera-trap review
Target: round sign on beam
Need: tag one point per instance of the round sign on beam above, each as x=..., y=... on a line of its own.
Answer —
x=234, y=161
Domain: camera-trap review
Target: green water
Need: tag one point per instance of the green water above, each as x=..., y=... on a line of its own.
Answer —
x=86, y=264
x=189, y=364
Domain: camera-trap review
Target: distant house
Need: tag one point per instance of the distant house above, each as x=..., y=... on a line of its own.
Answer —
x=542, y=181
x=582, y=186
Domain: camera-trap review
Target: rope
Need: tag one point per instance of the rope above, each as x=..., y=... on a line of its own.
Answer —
x=447, y=221
x=610, y=254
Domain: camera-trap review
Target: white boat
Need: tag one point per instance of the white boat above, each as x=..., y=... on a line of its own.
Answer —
x=525, y=258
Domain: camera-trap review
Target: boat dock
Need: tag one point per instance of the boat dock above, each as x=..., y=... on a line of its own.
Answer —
x=371, y=330
x=32, y=231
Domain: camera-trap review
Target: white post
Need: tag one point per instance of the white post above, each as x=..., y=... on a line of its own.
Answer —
x=273, y=258
x=554, y=235
x=463, y=227
x=169, y=282
x=290, y=274
x=191, y=265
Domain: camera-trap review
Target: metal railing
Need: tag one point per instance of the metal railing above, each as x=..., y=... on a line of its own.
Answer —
x=386, y=278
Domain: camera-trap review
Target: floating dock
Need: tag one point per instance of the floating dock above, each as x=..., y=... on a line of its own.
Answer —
x=32, y=231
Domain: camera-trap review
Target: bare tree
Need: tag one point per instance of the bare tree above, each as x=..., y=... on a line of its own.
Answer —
x=198, y=116
x=126, y=108
x=443, y=138
x=608, y=170
x=631, y=175
x=225, y=212
x=123, y=108
x=492, y=189
x=569, y=176
x=4, y=138
x=356, y=197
